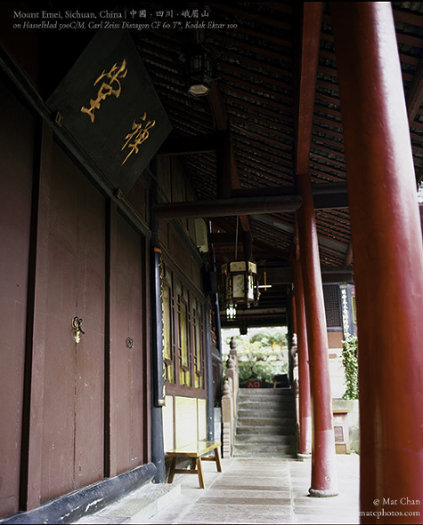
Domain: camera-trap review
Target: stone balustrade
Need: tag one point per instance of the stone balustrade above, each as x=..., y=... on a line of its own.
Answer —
x=229, y=400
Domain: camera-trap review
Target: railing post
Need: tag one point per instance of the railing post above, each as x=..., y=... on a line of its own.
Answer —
x=233, y=353
x=231, y=374
x=229, y=400
x=227, y=418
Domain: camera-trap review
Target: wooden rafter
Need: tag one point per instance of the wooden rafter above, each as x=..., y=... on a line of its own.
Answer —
x=227, y=175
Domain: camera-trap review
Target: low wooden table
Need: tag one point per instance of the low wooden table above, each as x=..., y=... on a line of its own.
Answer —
x=196, y=452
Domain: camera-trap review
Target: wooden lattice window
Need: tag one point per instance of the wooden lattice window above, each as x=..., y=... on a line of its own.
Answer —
x=183, y=342
x=333, y=311
x=197, y=343
x=183, y=335
x=167, y=333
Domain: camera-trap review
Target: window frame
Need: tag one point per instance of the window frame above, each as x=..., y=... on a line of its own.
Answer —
x=183, y=293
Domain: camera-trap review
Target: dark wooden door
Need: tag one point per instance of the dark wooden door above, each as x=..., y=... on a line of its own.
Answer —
x=70, y=282
x=127, y=348
x=16, y=172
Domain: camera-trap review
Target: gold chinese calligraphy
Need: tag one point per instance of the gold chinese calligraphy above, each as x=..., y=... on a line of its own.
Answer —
x=139, y=133
x=111, y=86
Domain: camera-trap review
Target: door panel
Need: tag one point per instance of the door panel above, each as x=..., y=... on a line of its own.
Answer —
x=126, y=364
x=89, y=409
x=73, y=401
x=16, y=171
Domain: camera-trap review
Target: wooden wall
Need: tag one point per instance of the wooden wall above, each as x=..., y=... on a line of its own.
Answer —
x=175, y=187
x=71, y=413
x=16, y=186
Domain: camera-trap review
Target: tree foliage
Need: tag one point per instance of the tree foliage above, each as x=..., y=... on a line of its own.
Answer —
x=261, y=356
x=350, y=362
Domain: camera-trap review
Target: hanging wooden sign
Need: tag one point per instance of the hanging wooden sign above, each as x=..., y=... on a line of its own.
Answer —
x=108, y=103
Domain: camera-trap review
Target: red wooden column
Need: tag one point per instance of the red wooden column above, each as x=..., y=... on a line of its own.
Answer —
x=323, y=468
x=303, y=361
x=388, y=261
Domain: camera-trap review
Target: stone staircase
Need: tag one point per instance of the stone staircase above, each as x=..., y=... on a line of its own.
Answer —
x=266, y=423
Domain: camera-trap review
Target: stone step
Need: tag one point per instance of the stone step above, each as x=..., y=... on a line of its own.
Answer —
x=258, y=403
x=276, y=392
x=267, y=400
x=266, y=412
x=270, y=450
x=266, y=425
x=265, y=421
x=259, y=439
x=274, y=430
x=137, y=506
x=265, y=392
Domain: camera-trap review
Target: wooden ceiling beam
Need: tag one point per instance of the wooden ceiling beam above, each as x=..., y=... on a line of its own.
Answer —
x=228, y=207
x=326, y=196
x=309, y=58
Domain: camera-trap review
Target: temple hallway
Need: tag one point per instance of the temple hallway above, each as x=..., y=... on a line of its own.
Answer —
x=264, y=490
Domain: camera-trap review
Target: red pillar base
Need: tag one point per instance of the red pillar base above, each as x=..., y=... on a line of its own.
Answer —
x=322, y=493
x=324, y=481
x=303, y=457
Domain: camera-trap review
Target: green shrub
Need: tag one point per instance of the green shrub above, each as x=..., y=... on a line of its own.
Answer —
x=350, y=362
x=260, y=357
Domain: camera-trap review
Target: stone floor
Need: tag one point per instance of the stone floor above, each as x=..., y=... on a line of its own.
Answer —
x=264, y=490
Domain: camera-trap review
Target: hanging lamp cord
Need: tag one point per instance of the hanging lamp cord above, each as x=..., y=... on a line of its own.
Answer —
x=236, y=238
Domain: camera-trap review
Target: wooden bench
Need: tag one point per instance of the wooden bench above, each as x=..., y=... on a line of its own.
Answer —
x=195, y=451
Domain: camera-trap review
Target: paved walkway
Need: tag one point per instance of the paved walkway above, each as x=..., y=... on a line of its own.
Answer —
x=255, y=491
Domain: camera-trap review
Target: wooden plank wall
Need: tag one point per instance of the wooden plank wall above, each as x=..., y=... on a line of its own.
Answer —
x=71, y=413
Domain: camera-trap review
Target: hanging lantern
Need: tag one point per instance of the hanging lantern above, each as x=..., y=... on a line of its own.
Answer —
x=199, y=71
x=231, y=311
x=240, y=283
